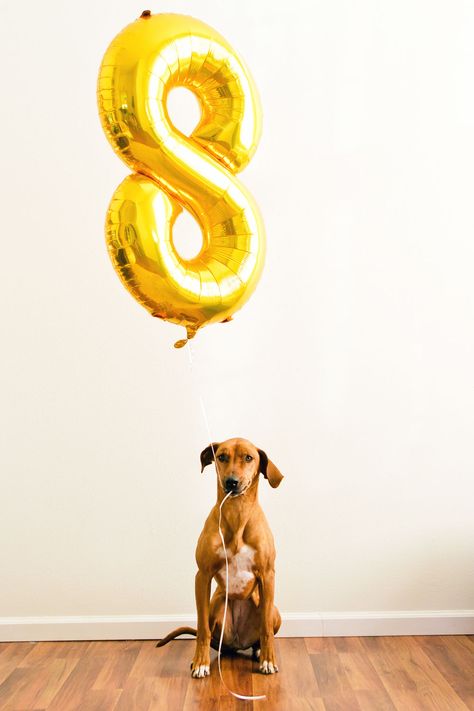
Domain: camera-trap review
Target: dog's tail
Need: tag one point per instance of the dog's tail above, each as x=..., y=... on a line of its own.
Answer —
x=187, y=630
x=176, y=633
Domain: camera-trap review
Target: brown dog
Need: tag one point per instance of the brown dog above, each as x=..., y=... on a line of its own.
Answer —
x=252, y=618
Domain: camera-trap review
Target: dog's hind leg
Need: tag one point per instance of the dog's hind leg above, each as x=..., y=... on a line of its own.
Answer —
x=216, y=616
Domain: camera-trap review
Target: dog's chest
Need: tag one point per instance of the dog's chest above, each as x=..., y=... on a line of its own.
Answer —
x=241, y=575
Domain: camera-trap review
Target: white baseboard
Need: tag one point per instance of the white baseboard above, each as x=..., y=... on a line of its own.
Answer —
x=377, y=624
x=295, y=624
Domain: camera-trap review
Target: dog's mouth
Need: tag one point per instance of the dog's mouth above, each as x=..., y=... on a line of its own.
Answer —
x=235, y=492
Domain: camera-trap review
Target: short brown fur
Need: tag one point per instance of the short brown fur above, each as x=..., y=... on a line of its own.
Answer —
x=252, y=618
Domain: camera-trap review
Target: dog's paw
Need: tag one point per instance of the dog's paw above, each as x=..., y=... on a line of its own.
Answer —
x=199, y=671
x=267, y=667
x=256, y=654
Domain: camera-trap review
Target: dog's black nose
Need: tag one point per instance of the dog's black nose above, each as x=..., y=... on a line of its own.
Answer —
x=231, y=484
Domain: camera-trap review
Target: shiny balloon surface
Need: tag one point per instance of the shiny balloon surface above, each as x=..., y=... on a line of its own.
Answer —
x=172, y=171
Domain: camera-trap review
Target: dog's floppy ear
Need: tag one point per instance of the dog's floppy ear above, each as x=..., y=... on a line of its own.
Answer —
x=269, y=470
x=207, y=455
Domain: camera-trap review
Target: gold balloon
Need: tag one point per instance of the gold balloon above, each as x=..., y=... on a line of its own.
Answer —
x=172, y=171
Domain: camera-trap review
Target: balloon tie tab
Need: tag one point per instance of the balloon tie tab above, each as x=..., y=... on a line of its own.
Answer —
x=190, y=333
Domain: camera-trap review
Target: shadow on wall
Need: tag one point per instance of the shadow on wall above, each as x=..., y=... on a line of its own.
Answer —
x=376, y=571
x=423, y=575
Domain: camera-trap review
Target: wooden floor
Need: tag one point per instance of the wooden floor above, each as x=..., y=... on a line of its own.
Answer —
x=340, y=673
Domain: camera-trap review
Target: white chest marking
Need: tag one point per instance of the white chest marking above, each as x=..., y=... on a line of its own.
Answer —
x=240, y=569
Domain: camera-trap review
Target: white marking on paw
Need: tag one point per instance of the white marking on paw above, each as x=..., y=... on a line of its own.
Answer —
x=267, y=667
x=200, y=671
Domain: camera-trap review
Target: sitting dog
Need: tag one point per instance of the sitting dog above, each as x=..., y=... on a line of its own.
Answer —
x=252, y=619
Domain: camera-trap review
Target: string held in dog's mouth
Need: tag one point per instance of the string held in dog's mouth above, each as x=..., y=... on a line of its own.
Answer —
x=233, y=495
x=221, y=638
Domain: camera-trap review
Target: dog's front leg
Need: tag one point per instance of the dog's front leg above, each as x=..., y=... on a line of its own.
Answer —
x=267, y=645
x=202, y=657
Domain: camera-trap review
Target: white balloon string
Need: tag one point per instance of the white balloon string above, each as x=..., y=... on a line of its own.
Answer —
x=224, y=617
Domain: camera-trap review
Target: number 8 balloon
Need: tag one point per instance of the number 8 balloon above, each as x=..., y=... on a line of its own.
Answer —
x=172, y=171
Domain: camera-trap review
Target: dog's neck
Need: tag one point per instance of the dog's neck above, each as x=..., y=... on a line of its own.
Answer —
x=237, y=511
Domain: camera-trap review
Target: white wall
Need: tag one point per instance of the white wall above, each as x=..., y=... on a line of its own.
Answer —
x=352, y=365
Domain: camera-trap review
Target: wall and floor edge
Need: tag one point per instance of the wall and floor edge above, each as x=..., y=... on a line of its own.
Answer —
x=296, y=624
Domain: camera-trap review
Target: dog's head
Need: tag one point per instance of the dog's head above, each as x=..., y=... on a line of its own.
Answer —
x=238, y=463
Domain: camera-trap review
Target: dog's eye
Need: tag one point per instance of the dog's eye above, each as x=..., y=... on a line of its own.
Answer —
x=248, y=458
x=221, y=457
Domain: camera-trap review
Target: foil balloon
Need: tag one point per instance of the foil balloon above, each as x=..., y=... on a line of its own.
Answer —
x=172, y=171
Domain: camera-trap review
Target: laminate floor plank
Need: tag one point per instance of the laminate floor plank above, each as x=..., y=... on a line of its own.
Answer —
x=78, y=684
x=469, y=638
x=315, y=645
x=365, y=682
x=11, y=655
x=36, y=686
x=117, y=666
x=101, y=700
x=295, y=684
x=370, y=700
x=410, y=678
x=455, y=661
x=41, y=651
x=140, y=688
x=137, y=695
x=172, y=676
x=209, y=693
